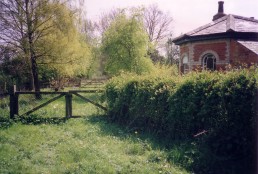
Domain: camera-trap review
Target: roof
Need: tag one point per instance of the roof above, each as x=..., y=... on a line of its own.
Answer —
x=220, y=27
x=251, y=45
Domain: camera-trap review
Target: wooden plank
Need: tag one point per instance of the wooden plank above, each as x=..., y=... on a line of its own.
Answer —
x=44, y=104
x=90, y=101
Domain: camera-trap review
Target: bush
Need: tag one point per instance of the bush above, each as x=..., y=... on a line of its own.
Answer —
x=214, y=110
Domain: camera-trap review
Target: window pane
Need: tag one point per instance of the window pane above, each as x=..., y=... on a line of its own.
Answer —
x=209, y=62
x=185, y=59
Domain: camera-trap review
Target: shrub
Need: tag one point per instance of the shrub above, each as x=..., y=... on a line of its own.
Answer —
x=214, y=110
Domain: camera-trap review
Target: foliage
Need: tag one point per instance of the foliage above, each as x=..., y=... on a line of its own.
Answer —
x=45, y=36
x=14, y=71
x=67, y=53
x=125, y=44
x=213, y=110
x=155, y=56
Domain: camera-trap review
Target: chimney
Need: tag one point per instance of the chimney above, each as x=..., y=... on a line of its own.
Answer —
x=221, y=8
x=220, y=11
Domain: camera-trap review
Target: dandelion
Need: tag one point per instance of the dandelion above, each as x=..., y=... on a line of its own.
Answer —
x=55, y=106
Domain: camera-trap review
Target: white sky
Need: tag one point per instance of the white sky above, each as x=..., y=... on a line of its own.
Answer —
x=187, y=14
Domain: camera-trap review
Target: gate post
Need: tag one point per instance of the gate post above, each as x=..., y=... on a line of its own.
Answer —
x=14, y=105
x=68, y=105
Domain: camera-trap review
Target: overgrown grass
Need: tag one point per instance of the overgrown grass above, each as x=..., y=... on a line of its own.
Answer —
x=4, y=107
x=90, y=144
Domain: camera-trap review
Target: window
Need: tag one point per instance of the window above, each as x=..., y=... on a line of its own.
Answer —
x=209, y=62
x=185, y=64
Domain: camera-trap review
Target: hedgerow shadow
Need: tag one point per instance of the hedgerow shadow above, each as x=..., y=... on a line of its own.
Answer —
x=192, y=154
x=176, y=152
x=110, y=128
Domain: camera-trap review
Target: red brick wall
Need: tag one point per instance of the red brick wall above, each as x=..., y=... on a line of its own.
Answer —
x=220, y=48
x=184, y=50
x=241, y=55
x=221, y=67
x=218, y=67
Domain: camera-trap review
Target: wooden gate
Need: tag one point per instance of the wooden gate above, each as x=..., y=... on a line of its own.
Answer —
x=14, y=101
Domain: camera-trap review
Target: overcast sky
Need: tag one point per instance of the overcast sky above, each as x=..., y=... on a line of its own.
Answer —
x=187, y=14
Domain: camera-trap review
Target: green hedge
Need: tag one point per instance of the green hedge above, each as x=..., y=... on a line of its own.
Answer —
x=179, y=108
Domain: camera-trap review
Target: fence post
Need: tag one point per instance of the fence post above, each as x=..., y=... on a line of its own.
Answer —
x=14, y=105
x=68, y=105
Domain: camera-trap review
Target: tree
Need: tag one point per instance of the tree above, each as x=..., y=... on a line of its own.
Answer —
x=107, y=18
x=43, y=32
x=125, y=44
x=68, y=52
x=22, y=23
x=157, y=24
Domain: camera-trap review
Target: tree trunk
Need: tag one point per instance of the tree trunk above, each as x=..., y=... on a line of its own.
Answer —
x=34, y=70
x=34, y=66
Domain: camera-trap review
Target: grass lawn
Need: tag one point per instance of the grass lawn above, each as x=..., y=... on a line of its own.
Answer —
x=89, y=144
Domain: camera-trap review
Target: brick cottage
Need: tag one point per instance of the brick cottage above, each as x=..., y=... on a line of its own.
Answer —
x=227, y=40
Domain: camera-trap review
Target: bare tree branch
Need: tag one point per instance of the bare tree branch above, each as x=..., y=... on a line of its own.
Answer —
x=157, y=24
